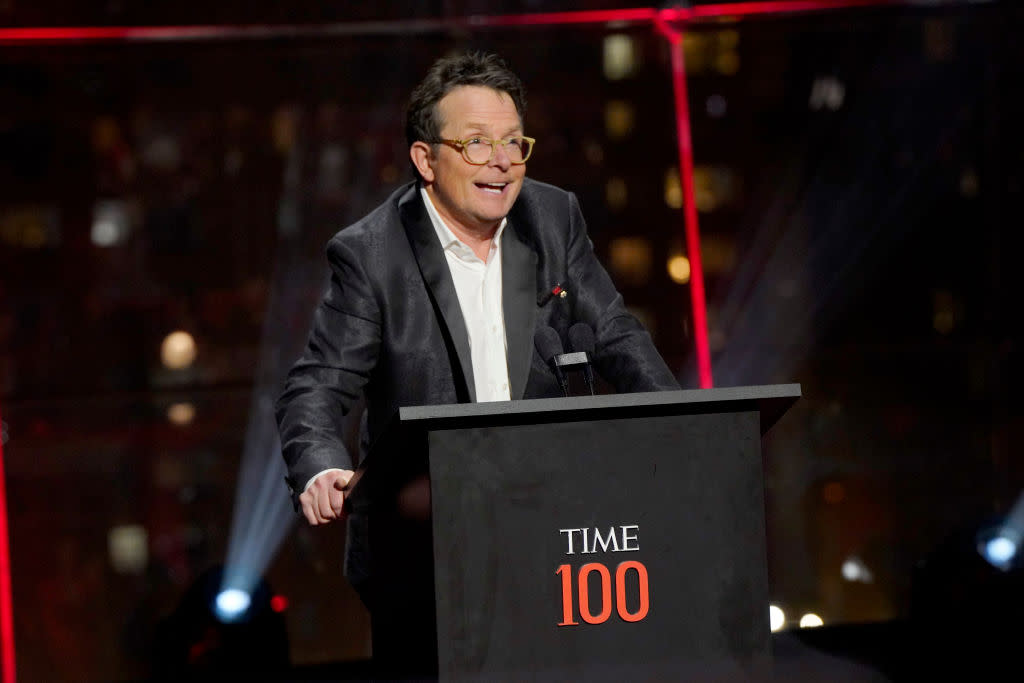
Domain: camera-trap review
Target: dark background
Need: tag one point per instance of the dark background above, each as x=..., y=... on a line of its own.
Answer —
x=859, y=186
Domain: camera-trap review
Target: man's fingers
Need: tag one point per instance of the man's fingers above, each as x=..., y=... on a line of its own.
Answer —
x=307, y=501
x=337, y=499
x=323, y=506
x=307, y=511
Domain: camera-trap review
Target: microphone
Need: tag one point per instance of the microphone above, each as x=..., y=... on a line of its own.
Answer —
x=549, y=346
x=581, y=340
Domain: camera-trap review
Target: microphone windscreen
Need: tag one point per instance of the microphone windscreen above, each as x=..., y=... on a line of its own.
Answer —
x=581, y=338
x=547, y=342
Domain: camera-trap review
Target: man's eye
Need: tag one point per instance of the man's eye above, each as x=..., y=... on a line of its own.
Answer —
x=474, y=141
x=515, y=142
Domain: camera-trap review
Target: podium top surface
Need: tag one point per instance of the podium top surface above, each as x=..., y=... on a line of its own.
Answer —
x=770, y=400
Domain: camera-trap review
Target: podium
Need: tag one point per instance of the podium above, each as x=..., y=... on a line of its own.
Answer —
x=591, y=538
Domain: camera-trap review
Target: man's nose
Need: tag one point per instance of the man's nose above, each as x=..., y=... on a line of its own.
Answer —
x=500, y=157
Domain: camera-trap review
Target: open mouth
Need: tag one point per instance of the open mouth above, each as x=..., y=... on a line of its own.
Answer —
x=493, y=188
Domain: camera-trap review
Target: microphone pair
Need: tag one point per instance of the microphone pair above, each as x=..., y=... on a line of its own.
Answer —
x=581, y=343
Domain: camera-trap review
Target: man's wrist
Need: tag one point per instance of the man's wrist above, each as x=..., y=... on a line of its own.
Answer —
x=320, y=474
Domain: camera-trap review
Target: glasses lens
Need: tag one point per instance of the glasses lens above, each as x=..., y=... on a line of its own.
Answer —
x=478, y=150
x=518, y=149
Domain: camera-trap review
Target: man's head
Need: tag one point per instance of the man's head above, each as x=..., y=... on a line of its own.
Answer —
x=475, y=98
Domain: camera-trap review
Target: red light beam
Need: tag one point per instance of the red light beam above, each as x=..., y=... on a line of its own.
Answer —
x=7, y=671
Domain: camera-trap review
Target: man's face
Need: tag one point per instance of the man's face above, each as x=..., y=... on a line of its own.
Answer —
x=474, y=198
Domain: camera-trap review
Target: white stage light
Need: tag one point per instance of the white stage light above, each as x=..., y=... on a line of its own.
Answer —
x=776, y=618
x=231, y=604
x=999, y=543
x=811, y=620
x=1000, y=549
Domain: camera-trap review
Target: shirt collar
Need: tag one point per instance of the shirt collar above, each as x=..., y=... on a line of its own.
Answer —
x=445, y=235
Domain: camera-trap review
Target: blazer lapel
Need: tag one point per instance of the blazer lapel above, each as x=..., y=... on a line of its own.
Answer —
x=437, y=276
x=519, y=301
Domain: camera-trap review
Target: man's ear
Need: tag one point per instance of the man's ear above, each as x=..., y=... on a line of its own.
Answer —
x=422, y=155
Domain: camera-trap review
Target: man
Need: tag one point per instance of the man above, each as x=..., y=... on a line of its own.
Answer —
x=435, y=296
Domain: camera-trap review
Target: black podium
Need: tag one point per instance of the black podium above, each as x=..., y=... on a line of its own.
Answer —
x=592, y=538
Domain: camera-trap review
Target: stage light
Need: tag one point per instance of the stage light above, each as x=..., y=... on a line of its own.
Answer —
x=776, y=618
x=178, y=350
x=811, y=620
x=1000, y=542
x=999, y=547
x=231, y=604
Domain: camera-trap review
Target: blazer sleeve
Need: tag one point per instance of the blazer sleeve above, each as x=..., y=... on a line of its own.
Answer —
x=323, y=385
x=624, y=353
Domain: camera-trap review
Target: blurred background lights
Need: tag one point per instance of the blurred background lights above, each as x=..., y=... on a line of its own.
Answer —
x=178, y=350
x=827, y=92
x=181, y=413
x=679, y=269
x=673, y=189
x=279, y=603
x=811, y=620
x=128, y=548
x=855, y=571
x=231, y=604
x=630, y=258
x=111, y=223
x=619, y=57
x=616, y=194
x=776, y=618
x=619, y=116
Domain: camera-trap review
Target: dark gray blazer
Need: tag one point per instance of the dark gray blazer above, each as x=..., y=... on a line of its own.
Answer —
x=390, y=324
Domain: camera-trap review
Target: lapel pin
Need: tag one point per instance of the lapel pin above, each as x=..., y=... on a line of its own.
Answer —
x=556, y=290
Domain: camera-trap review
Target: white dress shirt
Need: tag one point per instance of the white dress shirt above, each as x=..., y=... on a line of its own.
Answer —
x=478, y=287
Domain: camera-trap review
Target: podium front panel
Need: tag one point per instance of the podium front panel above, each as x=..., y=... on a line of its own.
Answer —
x=623, y=549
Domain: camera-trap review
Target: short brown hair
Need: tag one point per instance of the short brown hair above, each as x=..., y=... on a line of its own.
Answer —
x=422, y=120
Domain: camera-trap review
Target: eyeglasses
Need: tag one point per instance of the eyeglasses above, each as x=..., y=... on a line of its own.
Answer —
x=479, y=151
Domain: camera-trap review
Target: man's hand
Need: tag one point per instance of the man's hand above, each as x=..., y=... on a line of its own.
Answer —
x=323, y=501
